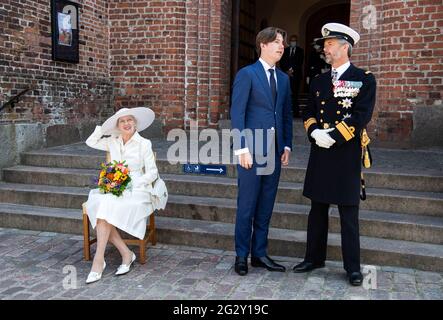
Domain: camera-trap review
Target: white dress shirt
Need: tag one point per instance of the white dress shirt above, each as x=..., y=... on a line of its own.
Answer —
x=266, y=66
x=340, y=70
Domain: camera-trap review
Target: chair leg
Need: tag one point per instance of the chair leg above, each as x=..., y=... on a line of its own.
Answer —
x=142, y=245
x=86, y=238
x=152, y=230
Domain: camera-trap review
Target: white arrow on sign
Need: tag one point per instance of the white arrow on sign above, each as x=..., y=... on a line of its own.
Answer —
x=219, y=169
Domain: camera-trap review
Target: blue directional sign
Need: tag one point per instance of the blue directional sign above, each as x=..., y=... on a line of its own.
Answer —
x=204, y=169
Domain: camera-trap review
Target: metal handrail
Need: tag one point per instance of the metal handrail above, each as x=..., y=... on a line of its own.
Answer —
x=15, y=99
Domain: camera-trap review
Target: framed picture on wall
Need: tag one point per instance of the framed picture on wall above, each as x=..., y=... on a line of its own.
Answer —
x=65, y=31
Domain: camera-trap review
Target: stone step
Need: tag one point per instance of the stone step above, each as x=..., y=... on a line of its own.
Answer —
x=411, y=182
x=50, y=176
x=41, y=218
x=300, y=140
x=219, y=235
x=376, y=179
x=298, y=129
x=295, y=217
x=288, y=216
x=43, y=195
x=411, y=202
x=378, y=199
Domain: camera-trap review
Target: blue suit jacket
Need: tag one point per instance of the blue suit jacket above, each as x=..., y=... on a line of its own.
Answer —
x=252, y=107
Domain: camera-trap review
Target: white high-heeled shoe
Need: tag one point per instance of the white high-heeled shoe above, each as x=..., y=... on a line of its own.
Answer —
x=95, y=276
x=124, y=268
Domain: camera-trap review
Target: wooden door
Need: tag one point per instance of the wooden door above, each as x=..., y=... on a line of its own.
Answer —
x=243, y=35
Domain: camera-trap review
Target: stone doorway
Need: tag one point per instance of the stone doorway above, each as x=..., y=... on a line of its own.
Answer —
x=302, y=18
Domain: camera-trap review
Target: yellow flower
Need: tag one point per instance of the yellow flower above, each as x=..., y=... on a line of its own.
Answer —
x=102, y=173
x=117, y=176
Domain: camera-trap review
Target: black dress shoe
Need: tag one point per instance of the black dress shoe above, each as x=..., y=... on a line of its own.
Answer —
x=307, y=266
x=355, y=278
x=268, y=263
x=241, y=265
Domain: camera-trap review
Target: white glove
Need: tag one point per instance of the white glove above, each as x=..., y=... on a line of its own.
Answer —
x=322, y=138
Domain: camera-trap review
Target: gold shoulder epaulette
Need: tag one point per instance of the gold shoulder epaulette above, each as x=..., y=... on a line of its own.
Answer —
x=368, y=72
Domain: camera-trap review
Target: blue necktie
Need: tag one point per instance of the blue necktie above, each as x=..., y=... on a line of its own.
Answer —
x=273, y=85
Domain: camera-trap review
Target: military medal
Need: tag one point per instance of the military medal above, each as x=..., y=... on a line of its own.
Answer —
x=346, y=103
x=347, y=88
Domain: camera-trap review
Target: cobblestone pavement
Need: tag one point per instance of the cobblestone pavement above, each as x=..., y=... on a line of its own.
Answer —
x=41, y=265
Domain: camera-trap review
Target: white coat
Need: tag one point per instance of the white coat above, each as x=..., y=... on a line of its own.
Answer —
x=130, y=211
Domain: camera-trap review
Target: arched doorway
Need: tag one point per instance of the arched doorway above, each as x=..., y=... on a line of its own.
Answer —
x=316, y=18
x=304, y=18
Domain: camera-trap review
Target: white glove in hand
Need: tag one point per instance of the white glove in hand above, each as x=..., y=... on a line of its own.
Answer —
x=322, y=138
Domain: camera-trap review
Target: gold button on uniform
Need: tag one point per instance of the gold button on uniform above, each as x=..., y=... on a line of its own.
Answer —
x=322, y=102
x=338, y=112
x=336, y=122
x=321, y=111
x=321, y=120
x=326, y=125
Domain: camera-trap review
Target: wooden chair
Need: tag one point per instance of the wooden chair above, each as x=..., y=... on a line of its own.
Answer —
x=150, y=235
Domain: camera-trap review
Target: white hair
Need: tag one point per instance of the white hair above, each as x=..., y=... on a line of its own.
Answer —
x=343, y=42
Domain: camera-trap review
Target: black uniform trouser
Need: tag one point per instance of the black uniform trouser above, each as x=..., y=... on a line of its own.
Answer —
x=318, y=235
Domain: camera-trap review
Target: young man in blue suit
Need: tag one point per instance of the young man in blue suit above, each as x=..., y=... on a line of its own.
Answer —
x=261, y=104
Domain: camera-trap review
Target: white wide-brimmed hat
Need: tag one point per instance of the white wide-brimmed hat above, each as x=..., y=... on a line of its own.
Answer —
x=144, y=117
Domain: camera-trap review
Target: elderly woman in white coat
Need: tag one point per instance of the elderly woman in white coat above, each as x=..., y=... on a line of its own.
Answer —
x=130, y=211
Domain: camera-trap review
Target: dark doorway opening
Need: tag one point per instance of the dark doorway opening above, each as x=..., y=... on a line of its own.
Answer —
x=335, y=13
x=304, y=19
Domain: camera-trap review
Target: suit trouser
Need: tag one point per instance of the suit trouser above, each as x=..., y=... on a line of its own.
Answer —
x=317, y=237
x=255, y=202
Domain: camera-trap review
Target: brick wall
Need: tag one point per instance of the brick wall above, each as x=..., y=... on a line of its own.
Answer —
x=147, y=56
x=405, y=52
x=63, y=92
x=174, y=57
x=171, y=56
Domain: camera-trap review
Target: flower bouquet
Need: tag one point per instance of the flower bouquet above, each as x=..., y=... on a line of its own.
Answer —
x=114, y=178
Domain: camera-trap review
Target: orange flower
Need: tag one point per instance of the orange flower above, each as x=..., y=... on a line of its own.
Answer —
x=113, y=178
